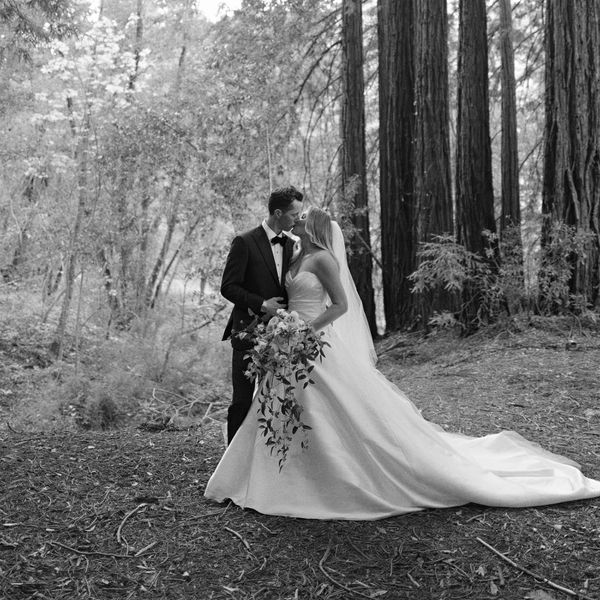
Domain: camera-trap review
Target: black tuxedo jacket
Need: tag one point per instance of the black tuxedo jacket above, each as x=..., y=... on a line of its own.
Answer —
x=250, y=277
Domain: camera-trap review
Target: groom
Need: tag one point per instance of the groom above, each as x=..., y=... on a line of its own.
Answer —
x=253, y=279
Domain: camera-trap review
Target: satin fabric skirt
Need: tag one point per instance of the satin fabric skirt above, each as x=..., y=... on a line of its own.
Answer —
x=372, y=455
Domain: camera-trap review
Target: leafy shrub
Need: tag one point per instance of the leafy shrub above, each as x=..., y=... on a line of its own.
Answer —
x=564, y=247
x=496, y=282
x=444, y=320
x=446, y=265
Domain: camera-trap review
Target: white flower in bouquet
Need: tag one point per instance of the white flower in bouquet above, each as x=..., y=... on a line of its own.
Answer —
x=282, y=358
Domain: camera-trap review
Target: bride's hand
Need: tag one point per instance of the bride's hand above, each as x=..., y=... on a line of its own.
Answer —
x=272, y=305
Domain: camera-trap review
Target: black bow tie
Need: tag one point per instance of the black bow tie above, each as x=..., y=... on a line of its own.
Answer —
x=278, y=239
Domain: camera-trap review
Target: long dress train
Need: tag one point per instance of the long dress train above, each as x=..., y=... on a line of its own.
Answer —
x=372, y=455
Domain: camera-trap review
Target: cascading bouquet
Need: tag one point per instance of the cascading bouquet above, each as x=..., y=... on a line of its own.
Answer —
x=281, y=359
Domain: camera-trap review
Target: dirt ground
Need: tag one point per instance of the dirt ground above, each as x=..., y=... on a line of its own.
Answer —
x=120, y=514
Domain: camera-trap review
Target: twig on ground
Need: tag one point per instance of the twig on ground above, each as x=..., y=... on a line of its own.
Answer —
x=415, y=582
x=206, y=413
x=98, y=505
x=204, y=516
x=89, y=552
x=215, y=416
x=571, y=415
x=145, y=549
x=335, y=581
x=241, y=538
x=223, y=513
x=476, y=517
x=171, y=393
x=239, y=535
x=266, y=528
x=448, y=561
x=353, y=545
x=10, y=428
x=129, y=514
x=190, y=406
x=541, y=578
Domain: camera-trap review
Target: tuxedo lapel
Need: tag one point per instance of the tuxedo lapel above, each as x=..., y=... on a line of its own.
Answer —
x=264, y=247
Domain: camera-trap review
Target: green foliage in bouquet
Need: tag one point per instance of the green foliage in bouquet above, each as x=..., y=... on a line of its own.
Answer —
x=282, y=359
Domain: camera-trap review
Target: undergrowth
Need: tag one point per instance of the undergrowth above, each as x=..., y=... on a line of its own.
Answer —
x=156, y=371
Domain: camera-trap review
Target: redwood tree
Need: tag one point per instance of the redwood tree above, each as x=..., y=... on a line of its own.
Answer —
x=432, y=181
x=396, y=156
x=510, y=217
x=571, y=192
x=353, y=155
x=511, y=208
x=474, y=191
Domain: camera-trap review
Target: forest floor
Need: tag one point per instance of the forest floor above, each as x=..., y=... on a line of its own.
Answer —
x=120, y=513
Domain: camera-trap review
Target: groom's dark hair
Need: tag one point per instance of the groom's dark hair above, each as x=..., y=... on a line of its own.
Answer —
x=282, y=198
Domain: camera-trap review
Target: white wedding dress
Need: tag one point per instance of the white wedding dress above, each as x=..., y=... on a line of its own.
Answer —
x=372, y=455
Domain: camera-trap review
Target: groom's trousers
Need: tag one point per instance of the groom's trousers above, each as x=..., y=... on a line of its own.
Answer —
x=243, y=390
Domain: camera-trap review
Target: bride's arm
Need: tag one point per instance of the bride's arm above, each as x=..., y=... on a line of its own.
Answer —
x=326, y=269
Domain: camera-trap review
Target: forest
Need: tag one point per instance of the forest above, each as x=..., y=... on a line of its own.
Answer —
x=457, y=142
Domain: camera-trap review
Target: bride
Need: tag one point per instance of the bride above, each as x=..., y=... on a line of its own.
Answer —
x=371, y=454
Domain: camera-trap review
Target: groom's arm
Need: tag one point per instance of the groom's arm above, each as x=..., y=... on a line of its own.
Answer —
x=234, y=275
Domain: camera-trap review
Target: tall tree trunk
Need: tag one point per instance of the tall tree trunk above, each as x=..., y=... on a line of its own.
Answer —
x=474, y=190
x=31, y=195
x=154, y=280
x=353, y=156
x=396, y=156
x=137, y=45
x=81, y=156
x=185, y=22
x=511, y=207
x=432, y=179
x=143, y=234
x=571, y=193
x=112, y=294
x=176, y=255
x=510, y=217
x=123, y=252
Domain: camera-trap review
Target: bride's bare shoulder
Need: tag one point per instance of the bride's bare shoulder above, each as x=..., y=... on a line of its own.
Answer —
x=324, y=262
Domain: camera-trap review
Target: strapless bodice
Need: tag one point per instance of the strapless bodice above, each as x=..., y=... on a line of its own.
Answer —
x=306, y=294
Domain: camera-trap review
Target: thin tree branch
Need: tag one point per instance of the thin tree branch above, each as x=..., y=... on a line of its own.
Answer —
x=334, y=581
x=313, y=68
x=541, y=578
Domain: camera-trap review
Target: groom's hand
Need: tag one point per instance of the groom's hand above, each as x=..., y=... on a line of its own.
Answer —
x=272, y=305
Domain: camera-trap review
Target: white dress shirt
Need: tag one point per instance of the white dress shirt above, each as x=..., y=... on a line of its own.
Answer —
x=277, y=249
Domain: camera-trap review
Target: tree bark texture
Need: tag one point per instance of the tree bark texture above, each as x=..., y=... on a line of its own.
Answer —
x=81, y=157
x=571, y=192
x=396, y=155
x=152, y=291
x=511, y=207
x=137, y=46
x=432, y=179
x=474, y=191
x=353, y=155
x=432, y=186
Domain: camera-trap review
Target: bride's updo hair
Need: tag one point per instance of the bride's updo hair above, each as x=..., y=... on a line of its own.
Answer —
x=318, y=228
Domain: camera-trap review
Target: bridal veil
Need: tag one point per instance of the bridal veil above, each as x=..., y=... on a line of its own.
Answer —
x=352, y=327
